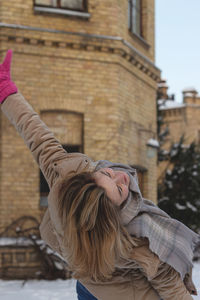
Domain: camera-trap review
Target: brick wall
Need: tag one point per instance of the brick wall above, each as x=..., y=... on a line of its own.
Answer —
x=109, y=84
x=181, y=120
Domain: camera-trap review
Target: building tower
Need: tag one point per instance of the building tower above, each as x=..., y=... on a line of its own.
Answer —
x=87, y=67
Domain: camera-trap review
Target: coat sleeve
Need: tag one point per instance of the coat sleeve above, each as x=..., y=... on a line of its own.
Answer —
x=162, y=277
x=45, y=149
x=169, y=284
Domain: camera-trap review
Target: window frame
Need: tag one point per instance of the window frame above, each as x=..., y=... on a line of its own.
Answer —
x=198, y=136
x=130, y=16
x=85, y=6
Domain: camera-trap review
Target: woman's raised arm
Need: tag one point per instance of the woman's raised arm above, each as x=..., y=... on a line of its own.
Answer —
x=40, y=140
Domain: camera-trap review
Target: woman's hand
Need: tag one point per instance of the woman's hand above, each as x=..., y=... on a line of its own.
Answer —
x=190, y=284
x=7, y=87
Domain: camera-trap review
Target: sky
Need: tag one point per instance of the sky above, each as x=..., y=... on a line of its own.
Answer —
x=178, y=44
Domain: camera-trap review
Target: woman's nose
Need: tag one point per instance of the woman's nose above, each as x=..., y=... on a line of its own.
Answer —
x=118, y=178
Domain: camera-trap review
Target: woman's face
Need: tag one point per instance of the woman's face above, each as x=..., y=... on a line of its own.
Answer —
x=115, y=183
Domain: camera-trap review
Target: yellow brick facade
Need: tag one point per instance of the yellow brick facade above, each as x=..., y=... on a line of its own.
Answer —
x=184, y=118
x=91, y=80
x=181, y=119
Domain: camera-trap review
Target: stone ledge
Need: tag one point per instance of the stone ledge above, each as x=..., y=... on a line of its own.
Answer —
x=132, y=58
x=66, y=12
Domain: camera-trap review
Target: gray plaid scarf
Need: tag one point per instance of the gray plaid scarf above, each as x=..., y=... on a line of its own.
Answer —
x=171, y=240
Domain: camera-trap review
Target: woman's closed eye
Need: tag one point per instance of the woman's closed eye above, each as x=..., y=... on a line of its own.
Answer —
x=106, y=173
x=120, y=190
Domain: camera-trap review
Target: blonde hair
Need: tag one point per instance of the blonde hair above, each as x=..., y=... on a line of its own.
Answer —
x=93, y=235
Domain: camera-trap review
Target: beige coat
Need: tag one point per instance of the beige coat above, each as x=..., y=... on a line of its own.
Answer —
x=142, y=278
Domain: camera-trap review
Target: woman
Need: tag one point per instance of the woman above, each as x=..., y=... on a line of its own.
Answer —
x=97, y=219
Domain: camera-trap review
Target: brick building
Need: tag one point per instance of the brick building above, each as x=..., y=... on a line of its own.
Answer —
x=87, y=67
x=180, y=118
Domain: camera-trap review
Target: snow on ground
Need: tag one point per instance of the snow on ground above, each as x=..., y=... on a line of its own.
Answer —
x=38, y=290
x=55, y=290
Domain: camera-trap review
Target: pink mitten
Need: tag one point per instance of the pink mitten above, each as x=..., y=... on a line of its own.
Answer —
x=7, y=87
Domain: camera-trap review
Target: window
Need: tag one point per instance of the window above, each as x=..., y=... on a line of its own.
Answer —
x=78, y=5
x=198, y=137
x=67, y=127
x=140, y=175
x=44, y=188
x=135, y=16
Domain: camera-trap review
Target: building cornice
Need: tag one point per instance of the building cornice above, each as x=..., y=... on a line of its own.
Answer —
x=127, y=51
x=173, y=107
x=42, y=9
x=180, y=107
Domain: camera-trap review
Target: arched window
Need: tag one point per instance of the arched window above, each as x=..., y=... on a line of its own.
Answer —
x=68, y=129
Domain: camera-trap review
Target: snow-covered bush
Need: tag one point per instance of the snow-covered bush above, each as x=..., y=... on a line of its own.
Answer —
x=179, y=190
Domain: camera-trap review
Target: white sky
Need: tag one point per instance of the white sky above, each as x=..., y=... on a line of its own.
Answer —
x=178, y=44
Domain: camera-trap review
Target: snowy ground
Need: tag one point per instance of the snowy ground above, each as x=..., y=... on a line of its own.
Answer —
x=55, y=290
x=38, y=290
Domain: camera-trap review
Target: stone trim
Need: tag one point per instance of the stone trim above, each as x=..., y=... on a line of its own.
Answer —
x=140, y=39
x=86, y=47
x=66, y=12
x=135, y=57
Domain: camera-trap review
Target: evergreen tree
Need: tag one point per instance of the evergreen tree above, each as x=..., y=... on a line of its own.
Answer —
x=179, y=192
x=162, y=130
x=179, y=185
